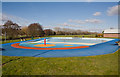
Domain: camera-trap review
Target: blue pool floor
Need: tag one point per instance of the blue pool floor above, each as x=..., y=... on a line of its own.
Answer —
x=99, y=49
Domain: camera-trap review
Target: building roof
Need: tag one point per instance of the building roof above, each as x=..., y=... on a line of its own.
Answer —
x=112, y=31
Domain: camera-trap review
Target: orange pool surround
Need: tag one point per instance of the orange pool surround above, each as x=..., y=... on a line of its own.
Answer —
x=16, y=45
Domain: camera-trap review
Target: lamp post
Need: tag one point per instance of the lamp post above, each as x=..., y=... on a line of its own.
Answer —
x=5, y=36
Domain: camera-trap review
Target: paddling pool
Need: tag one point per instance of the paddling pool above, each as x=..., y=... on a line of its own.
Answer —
x=61, y=47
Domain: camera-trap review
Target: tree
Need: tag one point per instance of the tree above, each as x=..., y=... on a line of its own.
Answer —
x=35, y=29
x=57, y=29
x=11, y=29
x=68, y=31
x=24, y=30
x=49, y=32
x=102, y=32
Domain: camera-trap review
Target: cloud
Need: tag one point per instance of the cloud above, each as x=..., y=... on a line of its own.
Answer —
x=85, y=21
x=48, y=27
x=4, y=18
x=113, y=10
x=89, y=0
x=61, y=26
x=95, y=30
x=20, y=21
x=97, y=14
x=77, y=21
x=69, y=25
x=93, y=21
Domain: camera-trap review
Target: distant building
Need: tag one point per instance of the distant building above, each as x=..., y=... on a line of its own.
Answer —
x=112, y=33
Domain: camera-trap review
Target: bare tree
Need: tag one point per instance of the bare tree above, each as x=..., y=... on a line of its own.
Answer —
x=11, y=29
x=35, y=29
x=67, y=31
x=24, y=30
x=49, y=32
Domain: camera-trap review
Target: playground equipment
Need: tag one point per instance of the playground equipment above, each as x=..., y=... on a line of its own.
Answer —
x=32, y=38
x=44, y=41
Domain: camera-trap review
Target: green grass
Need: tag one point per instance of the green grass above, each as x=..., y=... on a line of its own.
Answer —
x=89, y=36
x=10, y=41
x=72, y=35
x=92, y=65
x=3, y=37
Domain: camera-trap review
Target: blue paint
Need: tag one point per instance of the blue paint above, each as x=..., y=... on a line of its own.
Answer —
x=98, y=49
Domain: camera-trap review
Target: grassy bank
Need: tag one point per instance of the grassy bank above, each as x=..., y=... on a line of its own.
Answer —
x=94, y=65
x=10, y=41
x=86, y=36
x=71, y=36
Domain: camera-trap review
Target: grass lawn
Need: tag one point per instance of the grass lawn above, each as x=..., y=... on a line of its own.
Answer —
x=10, y=41
x=92, y=65
x=93, y=35
x=86, y=36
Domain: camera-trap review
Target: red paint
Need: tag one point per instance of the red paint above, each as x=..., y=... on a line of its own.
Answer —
x=16, y=45
x=44, y=41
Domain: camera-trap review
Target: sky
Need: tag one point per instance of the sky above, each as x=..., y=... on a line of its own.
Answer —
x=90, y=16
x=59, y=0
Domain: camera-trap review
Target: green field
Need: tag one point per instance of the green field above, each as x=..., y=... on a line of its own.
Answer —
x=91, y=65
x=9, y=41
x=94, y=65
x=72, y=35
x=86, y=36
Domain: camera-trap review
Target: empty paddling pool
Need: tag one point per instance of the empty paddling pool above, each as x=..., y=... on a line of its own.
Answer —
x=61, y=47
